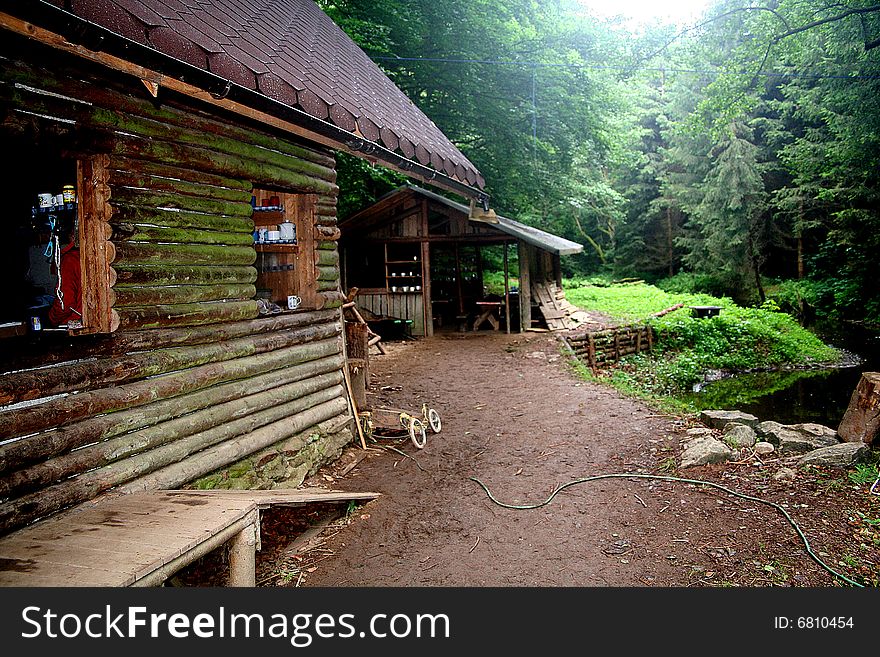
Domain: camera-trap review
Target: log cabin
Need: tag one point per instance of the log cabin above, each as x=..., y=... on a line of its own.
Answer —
x=187, y=152
x=416, y=257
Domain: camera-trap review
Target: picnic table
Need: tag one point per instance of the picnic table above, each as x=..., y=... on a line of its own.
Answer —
x=488, y=311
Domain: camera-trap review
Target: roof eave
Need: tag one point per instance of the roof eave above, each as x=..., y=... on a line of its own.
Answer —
x=85, y=38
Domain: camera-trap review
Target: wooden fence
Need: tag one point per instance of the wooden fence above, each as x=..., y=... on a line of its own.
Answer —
x=599, y=348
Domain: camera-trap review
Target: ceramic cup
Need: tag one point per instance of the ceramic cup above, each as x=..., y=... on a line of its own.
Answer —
x=293, y=302
x=274, y=235
x=45, y=200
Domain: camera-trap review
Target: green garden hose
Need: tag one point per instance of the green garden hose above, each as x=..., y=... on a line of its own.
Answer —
x=524, y=507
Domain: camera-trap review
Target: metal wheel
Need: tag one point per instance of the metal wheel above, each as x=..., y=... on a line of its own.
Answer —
x=434, y=420
x=417, y=432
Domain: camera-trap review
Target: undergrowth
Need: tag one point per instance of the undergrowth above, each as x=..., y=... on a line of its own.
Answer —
x=737, y=339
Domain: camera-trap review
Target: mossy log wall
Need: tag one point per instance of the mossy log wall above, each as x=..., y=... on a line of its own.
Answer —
x=193, y=380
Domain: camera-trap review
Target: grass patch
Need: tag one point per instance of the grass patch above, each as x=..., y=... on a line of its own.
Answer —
x=738, y=339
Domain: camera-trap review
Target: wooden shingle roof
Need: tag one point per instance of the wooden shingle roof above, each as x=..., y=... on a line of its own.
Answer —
x=291, y=52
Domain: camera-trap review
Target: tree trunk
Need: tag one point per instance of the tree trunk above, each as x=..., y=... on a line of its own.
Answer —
x=861, y=422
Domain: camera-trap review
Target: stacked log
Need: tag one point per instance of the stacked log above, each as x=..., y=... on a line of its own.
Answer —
x=601, y=348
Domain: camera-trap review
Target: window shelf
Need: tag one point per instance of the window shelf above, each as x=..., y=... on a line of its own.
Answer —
x=276, y=247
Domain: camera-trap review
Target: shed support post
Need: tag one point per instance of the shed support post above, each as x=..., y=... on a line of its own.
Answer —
x=243, y=558
x=525, y=289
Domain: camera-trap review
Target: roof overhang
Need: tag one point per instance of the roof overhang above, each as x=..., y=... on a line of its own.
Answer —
x=534, y=236
x=52, y=25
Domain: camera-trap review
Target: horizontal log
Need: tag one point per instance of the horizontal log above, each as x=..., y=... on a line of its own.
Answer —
x=244, y=149
x=184, y=139
x=66, y=410
x=128, y=232
x=327, y=258
x=91, y=374
x=327, y=233
x=148, y=296
x=202, y=158
x=327, y=273
x=328, y=418
x=173, y=219
x=58, y=348
x=169, y=112
x=269, y=406
x=328, y=286
x=46, y=445
x=186, y=314
x=330, y=299
x=304, y=412
x=129, y=275
x=123, y=166
x=146, y=198
x=135, y=176
x=184, y=254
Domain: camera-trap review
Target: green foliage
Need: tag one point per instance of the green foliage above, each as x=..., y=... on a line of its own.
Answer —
x=863, y=474
x=737, y=339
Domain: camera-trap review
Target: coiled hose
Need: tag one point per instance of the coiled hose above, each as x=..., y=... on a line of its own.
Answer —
x=699, y=482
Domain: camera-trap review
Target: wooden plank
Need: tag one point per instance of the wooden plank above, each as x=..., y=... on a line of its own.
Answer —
x=281, y=497
x=48, y=552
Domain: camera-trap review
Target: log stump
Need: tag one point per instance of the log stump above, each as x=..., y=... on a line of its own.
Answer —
x=861, y=422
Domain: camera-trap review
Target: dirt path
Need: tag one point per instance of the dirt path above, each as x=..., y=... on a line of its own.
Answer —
x=515, y=417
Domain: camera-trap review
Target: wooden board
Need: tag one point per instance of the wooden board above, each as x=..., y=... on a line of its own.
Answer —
x=122, y=540
x=556, y=311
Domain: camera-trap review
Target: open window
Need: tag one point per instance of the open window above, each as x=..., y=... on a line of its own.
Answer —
x=284, y=239
x=50, y=235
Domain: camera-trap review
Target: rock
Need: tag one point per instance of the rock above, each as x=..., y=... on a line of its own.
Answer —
x=763, y=449
x=704, y=450
x=818, y=431
x=767, y=431
x=720, y=419
x=785, y=474
x=796, y=438
x=699, y=431
x=738, y=435
x=842, y=455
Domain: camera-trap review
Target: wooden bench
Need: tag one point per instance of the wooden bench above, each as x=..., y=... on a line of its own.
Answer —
x=143, y=539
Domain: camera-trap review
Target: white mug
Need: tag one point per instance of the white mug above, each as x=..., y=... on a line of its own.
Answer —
x=274, y=235
x=45, y=200
x=293, y=302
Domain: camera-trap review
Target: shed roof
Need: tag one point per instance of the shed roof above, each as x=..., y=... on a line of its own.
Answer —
x=534, y=236
x=288, y=51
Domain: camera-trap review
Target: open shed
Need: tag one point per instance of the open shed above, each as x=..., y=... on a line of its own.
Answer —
x=417, y=256
x=203, y=352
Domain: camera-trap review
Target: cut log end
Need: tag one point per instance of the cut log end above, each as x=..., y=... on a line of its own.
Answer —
x=861, y=422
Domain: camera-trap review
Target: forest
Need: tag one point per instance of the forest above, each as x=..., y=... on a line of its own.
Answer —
x=736, y=155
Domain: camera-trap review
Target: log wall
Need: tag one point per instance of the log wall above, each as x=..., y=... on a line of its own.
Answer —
x=191, y=381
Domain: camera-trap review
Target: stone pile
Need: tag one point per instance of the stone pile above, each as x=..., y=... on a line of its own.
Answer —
x=729, y=434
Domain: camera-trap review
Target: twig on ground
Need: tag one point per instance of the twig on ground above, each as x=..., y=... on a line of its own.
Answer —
x=474, y=546
x=640, y=500
x=394, y=449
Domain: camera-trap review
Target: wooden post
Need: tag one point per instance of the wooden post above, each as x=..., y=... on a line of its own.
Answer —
x=243, y=557
x=426, y=286
x=861, y=422
x=458, y=280
x=506, y=293
x=525, y=291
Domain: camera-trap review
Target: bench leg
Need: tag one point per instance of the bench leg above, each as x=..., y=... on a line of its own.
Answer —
x=243, y=558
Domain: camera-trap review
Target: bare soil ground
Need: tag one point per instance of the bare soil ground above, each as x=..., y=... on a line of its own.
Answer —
x=516, y=417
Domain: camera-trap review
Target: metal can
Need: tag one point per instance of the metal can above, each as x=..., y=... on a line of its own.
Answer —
x=68, y=192
x=35, y=324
